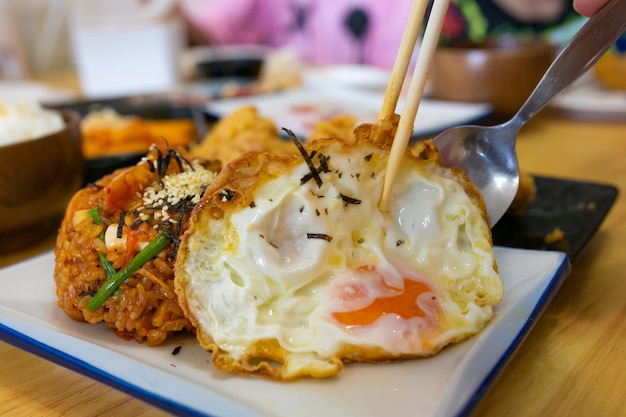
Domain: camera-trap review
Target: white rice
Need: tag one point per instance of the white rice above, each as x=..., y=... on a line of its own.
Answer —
x=20, y=122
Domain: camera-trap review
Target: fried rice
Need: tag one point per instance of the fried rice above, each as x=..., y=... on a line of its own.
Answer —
x=134, y=205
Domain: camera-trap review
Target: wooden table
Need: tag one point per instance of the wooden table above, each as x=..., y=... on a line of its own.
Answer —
x=572, y=364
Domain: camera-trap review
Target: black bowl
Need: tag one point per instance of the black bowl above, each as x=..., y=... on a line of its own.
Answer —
x=96, y=168
x=146, y=106
x=242, y=62
x=240, y=68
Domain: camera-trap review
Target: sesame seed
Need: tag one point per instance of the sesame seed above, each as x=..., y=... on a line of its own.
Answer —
x=173, y=189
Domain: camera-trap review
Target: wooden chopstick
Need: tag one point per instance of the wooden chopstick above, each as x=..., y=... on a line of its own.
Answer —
x=403, y=58
x=414, y=96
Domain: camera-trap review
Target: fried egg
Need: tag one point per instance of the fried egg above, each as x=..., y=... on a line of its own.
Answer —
x=289, y=269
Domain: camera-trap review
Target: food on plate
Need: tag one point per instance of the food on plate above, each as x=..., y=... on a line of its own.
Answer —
x=341, y=126
x=245, y=129
x=105, y=132
x=556, y=235
x=241, y=131
x=282, y=70
x=289, y=269
x=117, y=243
x=22, y=121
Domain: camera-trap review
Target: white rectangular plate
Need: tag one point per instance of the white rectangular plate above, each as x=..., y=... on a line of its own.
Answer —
x=299, y=110
x=448, y=384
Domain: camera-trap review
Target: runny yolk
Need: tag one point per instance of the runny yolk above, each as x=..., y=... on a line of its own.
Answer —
x=404, y=304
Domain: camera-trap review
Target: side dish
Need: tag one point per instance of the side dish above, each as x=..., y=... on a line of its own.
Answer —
x=106, y=132
x=246, y=130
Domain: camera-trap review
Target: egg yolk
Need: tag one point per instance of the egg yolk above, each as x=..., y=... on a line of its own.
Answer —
x=403, y=302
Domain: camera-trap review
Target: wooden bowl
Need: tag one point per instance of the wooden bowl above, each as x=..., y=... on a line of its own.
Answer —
x=37, y=179
x=501, y=72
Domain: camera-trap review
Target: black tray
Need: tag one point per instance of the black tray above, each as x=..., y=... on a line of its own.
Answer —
x=152, y=106
x=577, y=208
x=158, y=106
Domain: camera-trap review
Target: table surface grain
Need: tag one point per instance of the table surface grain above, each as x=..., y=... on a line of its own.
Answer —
x=573, y=363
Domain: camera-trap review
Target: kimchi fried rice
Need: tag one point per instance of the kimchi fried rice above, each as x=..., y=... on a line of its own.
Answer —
x=109, y=223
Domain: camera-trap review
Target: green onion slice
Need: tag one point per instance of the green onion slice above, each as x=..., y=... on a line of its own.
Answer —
x=94, y=213
x=153, y=248
x=108, y=267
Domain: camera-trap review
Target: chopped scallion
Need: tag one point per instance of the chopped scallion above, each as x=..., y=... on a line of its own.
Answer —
x=153, y=248
x=108, y=267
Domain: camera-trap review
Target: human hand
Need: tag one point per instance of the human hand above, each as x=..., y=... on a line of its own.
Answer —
x=588, y=7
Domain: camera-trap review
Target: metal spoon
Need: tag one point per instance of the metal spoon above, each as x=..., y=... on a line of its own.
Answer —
x=487, y=154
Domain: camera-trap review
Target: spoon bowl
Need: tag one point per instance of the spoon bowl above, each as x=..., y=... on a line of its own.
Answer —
x=487, y=154
x=488, y=157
